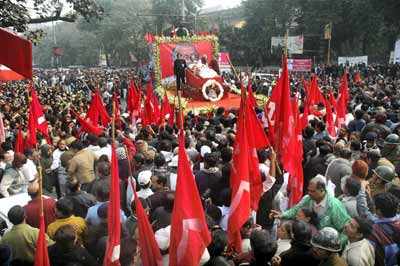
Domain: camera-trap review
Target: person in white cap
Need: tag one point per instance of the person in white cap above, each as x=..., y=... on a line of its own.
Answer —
x=144, y=180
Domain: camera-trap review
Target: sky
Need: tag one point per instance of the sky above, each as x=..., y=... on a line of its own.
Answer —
x=227, y=3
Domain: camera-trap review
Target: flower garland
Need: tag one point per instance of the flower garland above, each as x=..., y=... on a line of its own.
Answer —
x=215, y=83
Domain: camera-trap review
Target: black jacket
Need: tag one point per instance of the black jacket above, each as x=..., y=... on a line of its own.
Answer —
x=179, y=67
x=61, y=257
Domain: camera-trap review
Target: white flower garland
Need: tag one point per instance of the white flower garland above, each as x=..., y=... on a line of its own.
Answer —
x=209, y=83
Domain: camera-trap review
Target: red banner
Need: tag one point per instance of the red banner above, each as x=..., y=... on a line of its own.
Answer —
x=299, y=65
x=191, y=52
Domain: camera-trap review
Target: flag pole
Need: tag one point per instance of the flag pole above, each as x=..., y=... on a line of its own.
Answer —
x=40, y=188
x=113, y=123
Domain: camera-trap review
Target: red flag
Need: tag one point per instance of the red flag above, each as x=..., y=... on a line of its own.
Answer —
x=332, y=100
x=151, y=107
x=97, y=112
x=19, y=142
x=240, y=182
x=166, y=110
x=41, y=254
x=342, y=102
x=256, y=140
x=111, y=257
x=250, y=96
x=36, y=120
x=130, y=146
x=133, y=99
x=314, y=96
x=295, y=167
x=16, y=53
x=87, y=126
x=149, y=250
x=189, y=231
x=283, y=119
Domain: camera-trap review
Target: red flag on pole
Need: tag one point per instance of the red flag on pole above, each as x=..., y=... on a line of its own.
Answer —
x=97, y=112
x=332, y=100
x=16, y=53
x=19, y=142
x=87, y=126
x=149, y=250
x=36, y=120
x=240, y=182
x=256, y=140
x=295, y=168
x=41, y=254
x=133, y=99
x=283, y=120
x=111, y=257
x=166, y=110
x=189, y=231
x=342, y=102
x=250, y=96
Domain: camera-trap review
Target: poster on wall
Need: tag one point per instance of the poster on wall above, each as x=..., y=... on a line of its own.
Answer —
x=353, y=60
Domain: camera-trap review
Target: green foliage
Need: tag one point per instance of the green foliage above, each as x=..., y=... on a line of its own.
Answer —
x=359, y=27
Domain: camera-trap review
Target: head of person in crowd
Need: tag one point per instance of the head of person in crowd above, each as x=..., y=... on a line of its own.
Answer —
x=19, y=160
x=263, y=246
x=357, y=229
x=308, y=215
x=159, y=183
x=285, y=230
x=210, y=160
x=66, y=238
x=308, y=132
x=218, y=243
x=392, y=141
x=61, y=145
x=102, y=192
x=301, y=232
x=102, y=142
x=103, y=169
x=382, y=177
x=325, y=243
x=317, y=189
x=102, y=212
x=370, y=140
x=16, y=215
x=359, y=169
x=77, y=145
x=144, y=179
x=64, y=208
x=352, y=187
x=33, y=190
x=386, y=205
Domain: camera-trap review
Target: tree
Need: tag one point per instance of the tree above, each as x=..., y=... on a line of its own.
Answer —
x=168, y=12
x=17, y=13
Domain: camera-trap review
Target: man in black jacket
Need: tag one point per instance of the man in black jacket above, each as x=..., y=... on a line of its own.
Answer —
x=179, y=71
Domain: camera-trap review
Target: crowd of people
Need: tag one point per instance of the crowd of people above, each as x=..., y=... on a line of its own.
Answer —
x=349, y=214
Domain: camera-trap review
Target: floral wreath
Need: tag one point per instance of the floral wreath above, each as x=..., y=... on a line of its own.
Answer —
x=213, y=83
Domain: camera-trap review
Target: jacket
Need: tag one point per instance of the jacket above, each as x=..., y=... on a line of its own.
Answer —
x=360, y=253
x=335, y=215
x=81, y=166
